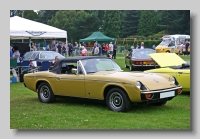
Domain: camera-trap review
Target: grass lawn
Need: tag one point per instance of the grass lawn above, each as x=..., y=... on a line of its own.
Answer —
x=26, y=112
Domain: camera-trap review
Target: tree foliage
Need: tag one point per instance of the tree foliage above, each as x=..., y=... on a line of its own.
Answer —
x=113, y=23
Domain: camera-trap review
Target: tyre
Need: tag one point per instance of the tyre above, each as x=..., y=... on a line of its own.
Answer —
x=167, y=51
x=126, y=65
x=131, y=67
x=45, y=93
x=160, y=103
x=117, y=100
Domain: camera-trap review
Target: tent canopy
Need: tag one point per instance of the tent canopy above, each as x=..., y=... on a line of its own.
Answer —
x=21, y=28
x=97, y=36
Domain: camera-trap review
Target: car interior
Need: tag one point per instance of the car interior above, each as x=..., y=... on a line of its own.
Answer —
x=67, y=69
x=183, y=66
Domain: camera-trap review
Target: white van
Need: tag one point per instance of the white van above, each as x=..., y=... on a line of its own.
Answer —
x=170, y=43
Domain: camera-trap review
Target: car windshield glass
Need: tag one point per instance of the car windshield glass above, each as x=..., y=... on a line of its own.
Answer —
x=96, y=65
x=50, y=55
x=143, y=54
x=28, y=55
x=165, y=42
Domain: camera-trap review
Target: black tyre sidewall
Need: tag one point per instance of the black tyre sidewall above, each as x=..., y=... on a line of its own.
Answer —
x=126, y=101
x=51, y=97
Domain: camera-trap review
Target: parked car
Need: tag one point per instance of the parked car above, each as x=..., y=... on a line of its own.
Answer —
x=173, y=65
x=100, y=78
x=139, y=58
x=40, y=56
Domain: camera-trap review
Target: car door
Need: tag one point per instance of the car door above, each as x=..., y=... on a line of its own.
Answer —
x=70, y=84
x=183, y=77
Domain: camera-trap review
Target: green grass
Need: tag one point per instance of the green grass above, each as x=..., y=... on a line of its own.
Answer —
x=26, y=112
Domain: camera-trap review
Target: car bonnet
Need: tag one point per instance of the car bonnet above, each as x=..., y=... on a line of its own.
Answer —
x=167, y=59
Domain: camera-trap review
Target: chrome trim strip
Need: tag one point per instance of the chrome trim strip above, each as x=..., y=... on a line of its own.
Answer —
x=108, y=81
x=166, y=72
x=158, y=91
x=42, y=76
x=82, y=67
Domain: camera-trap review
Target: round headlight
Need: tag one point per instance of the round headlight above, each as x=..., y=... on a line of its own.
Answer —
x=173, y=80
x=138, y=84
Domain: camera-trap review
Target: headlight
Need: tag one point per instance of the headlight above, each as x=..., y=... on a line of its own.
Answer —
x=138, y=84
x=173, y=80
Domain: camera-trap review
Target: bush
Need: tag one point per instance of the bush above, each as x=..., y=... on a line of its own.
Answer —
x=129, y=43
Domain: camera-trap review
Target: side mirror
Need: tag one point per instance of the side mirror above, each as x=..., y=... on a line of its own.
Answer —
x=74, y=71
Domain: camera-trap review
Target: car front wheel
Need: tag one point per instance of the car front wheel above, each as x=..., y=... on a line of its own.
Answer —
x=131, y=67
x=117, y=100
x=45, y=93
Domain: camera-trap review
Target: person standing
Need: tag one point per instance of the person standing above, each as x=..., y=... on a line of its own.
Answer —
x=114, y=51
x=16, y=54
x=100, y=50
x=59, y=48
x=83, y=51
x=70, y=47
x=180, y=48
x=141, y=46
x=111, y=48
x=186, y=47
x=11, y=51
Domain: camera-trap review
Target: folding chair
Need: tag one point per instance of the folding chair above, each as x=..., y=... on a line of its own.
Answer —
x=25, y=66
x=45, y=65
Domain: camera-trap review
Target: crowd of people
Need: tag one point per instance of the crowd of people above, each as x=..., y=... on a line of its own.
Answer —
x=69, y=49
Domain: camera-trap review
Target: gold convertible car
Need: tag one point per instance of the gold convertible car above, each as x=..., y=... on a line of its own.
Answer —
x=173, y=65
x=101, y=78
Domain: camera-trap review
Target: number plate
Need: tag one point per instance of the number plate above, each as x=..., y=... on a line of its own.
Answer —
x=167, y=94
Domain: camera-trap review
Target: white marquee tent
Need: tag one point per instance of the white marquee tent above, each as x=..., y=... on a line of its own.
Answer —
x=21, y=28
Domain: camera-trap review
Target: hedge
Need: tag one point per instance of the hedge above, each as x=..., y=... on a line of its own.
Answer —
x=129, y=43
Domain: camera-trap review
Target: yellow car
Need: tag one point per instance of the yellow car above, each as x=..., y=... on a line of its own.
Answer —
x=172, y=64
x=101, y=78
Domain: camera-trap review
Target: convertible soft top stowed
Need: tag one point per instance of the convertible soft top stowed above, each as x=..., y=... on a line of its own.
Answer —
x=56, y=67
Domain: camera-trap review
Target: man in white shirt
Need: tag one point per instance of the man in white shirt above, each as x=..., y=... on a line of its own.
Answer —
x=141, y=46
x=111, y=48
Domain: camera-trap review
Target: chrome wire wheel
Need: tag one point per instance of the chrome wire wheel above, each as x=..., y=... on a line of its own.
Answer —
x=44, y=92
x=116, y=100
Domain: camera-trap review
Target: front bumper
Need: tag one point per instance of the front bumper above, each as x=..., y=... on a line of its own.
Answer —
x=160, y=95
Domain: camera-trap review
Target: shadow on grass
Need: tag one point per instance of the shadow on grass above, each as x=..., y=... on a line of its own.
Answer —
x=101, y=104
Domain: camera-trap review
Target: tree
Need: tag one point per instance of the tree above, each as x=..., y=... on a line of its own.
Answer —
x=148, y=23
x=15, y=12
x=78, y=24
x=175, y=21
x=130, y=23
x=29, y=14
x=45, y=15
x=112, y=23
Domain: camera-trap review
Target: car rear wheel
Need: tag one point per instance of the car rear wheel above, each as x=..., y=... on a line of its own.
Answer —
x=45, y=93
x=117, y=100
x=167, y=51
